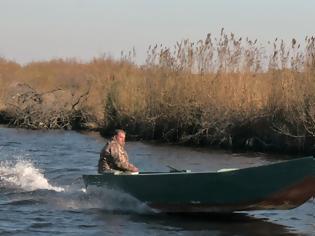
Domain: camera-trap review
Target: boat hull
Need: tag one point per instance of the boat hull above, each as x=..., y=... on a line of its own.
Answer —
x=283, y=185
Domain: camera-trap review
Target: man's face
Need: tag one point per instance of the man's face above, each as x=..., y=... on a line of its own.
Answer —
x=121, y=138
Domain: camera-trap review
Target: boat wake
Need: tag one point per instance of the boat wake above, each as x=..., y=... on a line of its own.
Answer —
x=104, y=200
x=24, y=175
x=112, y=200
x=25, y=184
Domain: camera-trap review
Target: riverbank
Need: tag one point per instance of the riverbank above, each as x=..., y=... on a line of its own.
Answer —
x=224, y=92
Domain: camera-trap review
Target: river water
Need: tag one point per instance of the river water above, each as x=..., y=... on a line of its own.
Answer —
x=41, y=192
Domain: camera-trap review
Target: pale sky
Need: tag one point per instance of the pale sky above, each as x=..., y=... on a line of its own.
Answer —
x=46, y=29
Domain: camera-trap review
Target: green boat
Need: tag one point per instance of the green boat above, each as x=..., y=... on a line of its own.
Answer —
x=281, y=185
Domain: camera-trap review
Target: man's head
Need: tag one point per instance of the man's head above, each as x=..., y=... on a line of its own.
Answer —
x=120, y=136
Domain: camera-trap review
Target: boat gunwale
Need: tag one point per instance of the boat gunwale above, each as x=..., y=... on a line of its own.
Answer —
x=188, y=172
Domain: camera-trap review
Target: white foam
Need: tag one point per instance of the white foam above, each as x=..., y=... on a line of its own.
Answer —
x=24, y=175
x=106, y=199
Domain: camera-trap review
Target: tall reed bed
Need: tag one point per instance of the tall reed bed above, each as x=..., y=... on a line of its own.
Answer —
x=225, y=91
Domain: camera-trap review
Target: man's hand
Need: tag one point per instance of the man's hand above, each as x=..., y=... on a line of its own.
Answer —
x=133, y=168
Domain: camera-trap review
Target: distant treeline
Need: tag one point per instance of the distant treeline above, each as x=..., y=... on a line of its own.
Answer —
x=226, y=92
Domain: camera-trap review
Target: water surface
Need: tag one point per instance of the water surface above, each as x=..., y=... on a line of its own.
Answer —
x=41, y=192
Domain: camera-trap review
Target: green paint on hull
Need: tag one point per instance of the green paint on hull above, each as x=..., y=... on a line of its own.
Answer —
x=220, y=191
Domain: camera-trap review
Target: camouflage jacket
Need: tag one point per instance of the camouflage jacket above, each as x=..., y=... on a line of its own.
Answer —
x=113, y=157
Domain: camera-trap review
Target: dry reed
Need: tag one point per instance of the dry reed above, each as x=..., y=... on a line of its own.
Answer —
x=224, y=90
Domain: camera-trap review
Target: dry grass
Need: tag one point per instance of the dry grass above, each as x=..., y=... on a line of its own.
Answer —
x=224, y=91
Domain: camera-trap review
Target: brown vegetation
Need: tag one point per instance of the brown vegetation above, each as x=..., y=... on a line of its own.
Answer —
x=224, y=91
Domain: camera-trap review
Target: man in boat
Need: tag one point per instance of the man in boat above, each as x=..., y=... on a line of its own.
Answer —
x=114, y=156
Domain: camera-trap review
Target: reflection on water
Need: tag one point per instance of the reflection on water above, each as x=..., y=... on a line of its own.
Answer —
x=192, y=224
x=301, y=219
x=41, y=190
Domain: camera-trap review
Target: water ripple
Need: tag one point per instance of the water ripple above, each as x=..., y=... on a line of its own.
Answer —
x=41, y=192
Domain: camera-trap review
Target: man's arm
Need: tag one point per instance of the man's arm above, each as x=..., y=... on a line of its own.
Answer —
x=120, y=160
